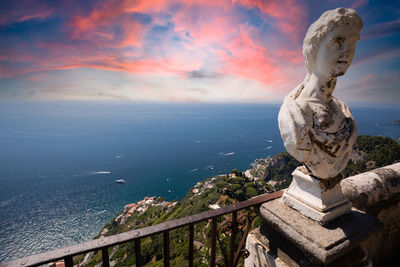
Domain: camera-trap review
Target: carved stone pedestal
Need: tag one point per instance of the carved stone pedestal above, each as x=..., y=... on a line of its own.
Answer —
x=320, y=200
x=287, y=238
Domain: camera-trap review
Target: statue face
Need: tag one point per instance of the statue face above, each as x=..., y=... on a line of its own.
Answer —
x=336, y=51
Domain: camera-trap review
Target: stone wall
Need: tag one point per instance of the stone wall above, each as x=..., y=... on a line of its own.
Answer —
x=377, y=193
x=368, y=235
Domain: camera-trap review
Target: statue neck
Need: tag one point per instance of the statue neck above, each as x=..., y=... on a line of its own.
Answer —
x=318, y=87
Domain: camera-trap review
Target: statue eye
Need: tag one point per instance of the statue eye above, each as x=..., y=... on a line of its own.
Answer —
x=339, y=41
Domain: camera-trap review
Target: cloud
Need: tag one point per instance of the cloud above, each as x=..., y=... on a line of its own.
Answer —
x=196, y=41
x=382, y=29
x=113, y=96
x=359, y=3
x=368, y=77
x=188, y=50
x=202, y=74
x=382, y=87
x=377, y=54
x=108, y=25
x=200, y=91
x=20, y=11
x=247, y=57
x=293, y=56
x=289, y=15
x=205, y=24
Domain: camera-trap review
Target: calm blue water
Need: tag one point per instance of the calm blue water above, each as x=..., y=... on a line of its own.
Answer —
x=59, y=161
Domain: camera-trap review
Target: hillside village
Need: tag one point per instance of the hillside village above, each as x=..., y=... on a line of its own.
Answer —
x=266, y=175
x=254, y=175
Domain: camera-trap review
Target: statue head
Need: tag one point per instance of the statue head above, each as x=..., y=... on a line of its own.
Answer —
x=329, y=45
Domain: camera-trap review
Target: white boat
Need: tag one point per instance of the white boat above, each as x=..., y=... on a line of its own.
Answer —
x=121, y=181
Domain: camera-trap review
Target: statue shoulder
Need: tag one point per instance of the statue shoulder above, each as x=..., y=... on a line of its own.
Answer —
x=343, y=107
x=293, y=126
x=290, y=99
x=291, y=106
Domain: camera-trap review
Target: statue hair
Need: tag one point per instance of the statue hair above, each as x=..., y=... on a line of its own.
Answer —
x=324, y=25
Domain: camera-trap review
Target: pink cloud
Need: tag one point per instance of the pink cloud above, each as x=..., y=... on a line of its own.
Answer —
x=37, y=14
x=249, y=59
x=368, y=77
x=111, y=63
x=240, y=50
x=375, y=84
x=359, y=3
x=377, y=55
x=26, y=10
x=207, y=22
x=98, y=25
x=66, y=57
x=290, y=16
x=219, y=40
x=381, y=29
x=206, y=32
x=296, y=57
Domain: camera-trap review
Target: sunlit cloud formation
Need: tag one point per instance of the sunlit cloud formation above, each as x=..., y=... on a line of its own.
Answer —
x=184, y=51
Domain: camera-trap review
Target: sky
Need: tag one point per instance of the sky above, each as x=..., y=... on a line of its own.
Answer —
x=185, y=51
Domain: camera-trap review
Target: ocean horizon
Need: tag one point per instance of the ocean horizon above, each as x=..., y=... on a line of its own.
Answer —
x=59, y=160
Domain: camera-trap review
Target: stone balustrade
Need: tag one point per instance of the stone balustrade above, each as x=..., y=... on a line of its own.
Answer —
x=366, y=236
x=377, y=193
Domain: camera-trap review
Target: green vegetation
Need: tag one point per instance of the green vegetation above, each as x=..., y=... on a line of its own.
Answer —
x=280, y=170
x=372, y=152
x=269, y=175
x=369, y=152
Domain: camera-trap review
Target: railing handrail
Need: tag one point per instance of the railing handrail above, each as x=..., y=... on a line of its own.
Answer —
x=113, y=240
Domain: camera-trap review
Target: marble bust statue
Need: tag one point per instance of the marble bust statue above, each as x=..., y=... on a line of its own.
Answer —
x=317, y=128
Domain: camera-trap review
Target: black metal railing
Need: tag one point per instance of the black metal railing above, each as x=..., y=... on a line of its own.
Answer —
x=229, y=227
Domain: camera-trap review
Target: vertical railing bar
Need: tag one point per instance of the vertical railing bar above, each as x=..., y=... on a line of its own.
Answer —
x=213, y=241
x=69, y=262
x=233, y=238
x=166, y=248
x=104, y=255
x=138, y=253
x=191, y=241
x=150, y=231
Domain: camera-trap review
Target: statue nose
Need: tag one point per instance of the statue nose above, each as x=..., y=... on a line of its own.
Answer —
x=344, y=47
x=346, y=51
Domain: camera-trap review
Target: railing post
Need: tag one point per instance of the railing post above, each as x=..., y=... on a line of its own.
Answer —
x=104, y=255
x=233, y=238
x=166, y=248
x=191, y=221
x=69, y=262
x=213, y=241
x=138, y=253
x=191, y=241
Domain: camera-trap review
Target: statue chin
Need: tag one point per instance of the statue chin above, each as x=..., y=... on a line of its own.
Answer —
x=337, y=74
x=339, y=71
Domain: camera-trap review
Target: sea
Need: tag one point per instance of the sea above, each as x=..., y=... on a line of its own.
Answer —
x=59, y=160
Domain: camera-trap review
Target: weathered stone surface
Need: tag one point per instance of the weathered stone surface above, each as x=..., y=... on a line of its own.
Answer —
x=383, y=247
x=288, y=236
x=318, y=129
x=260, y=255
x=312, y=198
x=369, y=188
x=377, y=192
x=319, y=244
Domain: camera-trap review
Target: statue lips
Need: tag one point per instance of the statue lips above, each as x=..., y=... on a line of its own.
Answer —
x=342, y=65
